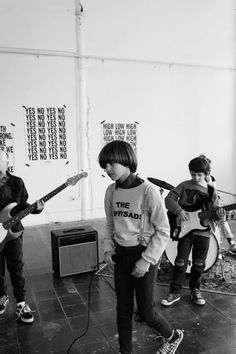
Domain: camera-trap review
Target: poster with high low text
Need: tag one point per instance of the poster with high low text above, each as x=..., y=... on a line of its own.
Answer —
x=120, y=131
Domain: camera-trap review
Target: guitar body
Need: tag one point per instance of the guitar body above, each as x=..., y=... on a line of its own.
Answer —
x=5, y=213
x=7, y=235
x=179, y=229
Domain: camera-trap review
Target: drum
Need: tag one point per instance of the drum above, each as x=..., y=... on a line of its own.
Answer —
x=171, y=252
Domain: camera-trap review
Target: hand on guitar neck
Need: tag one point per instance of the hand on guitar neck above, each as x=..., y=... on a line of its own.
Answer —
x=40, y=205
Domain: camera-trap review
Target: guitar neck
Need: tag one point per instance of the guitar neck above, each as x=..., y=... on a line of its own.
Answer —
x=15, y=219
x=208, y=214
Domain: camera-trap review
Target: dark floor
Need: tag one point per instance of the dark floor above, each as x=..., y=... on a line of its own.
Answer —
x=61, y=307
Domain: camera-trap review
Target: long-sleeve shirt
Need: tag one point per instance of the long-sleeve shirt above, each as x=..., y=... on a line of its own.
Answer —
x=190, y=197
x=127, y=218
x=14, y=191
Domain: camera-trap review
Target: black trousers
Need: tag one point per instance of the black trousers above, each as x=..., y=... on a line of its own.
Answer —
x=12, y=256
x=144, y=288
x=199, y=246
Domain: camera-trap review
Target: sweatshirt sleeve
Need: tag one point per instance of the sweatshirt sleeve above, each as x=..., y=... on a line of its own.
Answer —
x=172, y=198
x=158, y=218
x=108, y=241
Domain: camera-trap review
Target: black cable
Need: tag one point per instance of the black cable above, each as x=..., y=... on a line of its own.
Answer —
x=88, y=316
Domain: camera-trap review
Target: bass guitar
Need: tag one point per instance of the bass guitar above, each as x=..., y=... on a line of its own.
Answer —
x=7, y=222
x=195, y=222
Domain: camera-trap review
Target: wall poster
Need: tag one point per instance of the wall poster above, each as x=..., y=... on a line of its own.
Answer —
x=120, y=131
x=7, y=144
x=46, y=138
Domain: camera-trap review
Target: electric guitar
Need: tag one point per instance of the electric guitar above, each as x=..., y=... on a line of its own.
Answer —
x=195, y=222
x=7, y=222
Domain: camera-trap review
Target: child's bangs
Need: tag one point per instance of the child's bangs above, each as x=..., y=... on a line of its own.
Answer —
x=110, y=154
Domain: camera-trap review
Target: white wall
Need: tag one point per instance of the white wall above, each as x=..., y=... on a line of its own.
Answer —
x=167, y=64
x=36, y=70
x=170, y=65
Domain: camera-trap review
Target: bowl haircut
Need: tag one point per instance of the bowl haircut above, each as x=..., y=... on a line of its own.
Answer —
x=200, y=164
x=118, y=151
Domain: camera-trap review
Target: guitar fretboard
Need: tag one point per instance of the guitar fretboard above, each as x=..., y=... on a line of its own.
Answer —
x=15, y=219
x=211, y=213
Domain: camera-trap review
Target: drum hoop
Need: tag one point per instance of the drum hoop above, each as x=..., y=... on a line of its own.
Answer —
x=206, y=270
x=218, y=249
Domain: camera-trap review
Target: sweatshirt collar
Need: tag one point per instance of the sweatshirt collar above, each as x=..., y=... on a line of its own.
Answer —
x=130, y=182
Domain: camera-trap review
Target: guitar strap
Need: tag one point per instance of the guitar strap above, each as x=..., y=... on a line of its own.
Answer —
x=210, y=190
x=213, y=224
x=141, y=238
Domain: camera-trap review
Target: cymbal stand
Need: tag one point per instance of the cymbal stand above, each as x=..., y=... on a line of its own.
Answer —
x=221, y=254
x=220, y=258
x=161, y=190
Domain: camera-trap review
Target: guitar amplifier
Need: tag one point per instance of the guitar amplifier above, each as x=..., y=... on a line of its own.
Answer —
x=74, y=250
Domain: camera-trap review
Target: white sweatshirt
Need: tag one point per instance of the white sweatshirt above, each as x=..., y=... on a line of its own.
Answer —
x=125, y=215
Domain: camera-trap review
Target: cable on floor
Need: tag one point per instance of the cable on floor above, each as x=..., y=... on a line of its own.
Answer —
x=88, y=316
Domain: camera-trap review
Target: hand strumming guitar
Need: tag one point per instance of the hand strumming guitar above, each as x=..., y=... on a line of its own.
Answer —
x=183, y=215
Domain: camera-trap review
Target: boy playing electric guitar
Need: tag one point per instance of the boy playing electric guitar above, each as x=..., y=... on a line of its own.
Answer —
x=188, y=197
x=12, y=189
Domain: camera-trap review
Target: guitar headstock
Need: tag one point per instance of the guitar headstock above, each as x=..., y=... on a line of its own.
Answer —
x=73, y=180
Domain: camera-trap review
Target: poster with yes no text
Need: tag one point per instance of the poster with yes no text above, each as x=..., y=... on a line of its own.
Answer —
x=45, y=131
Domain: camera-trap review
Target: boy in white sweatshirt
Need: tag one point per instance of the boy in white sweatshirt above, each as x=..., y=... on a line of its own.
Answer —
x=137, y=232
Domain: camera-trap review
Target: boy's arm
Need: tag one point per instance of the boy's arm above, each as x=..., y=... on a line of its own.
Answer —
x=108, y=241
x=24, y=204
x=160, y=238
x=20, y=194
x=172, y=199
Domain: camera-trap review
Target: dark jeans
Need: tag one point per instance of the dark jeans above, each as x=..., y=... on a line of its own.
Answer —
x=199, y=246
x=144, y=288
x=12, y=256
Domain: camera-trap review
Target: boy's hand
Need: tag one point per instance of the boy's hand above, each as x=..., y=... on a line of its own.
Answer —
x=40, y=205
x=183, y=215
x=107, y=257
x=137, y=273
x=141, y=268
x=220, y=212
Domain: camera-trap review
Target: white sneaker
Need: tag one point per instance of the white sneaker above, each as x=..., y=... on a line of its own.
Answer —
x=232, y=249
x=4, y=300
x=197, y=298
x=169, y=347
x=170, y=299
x=24, y=313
